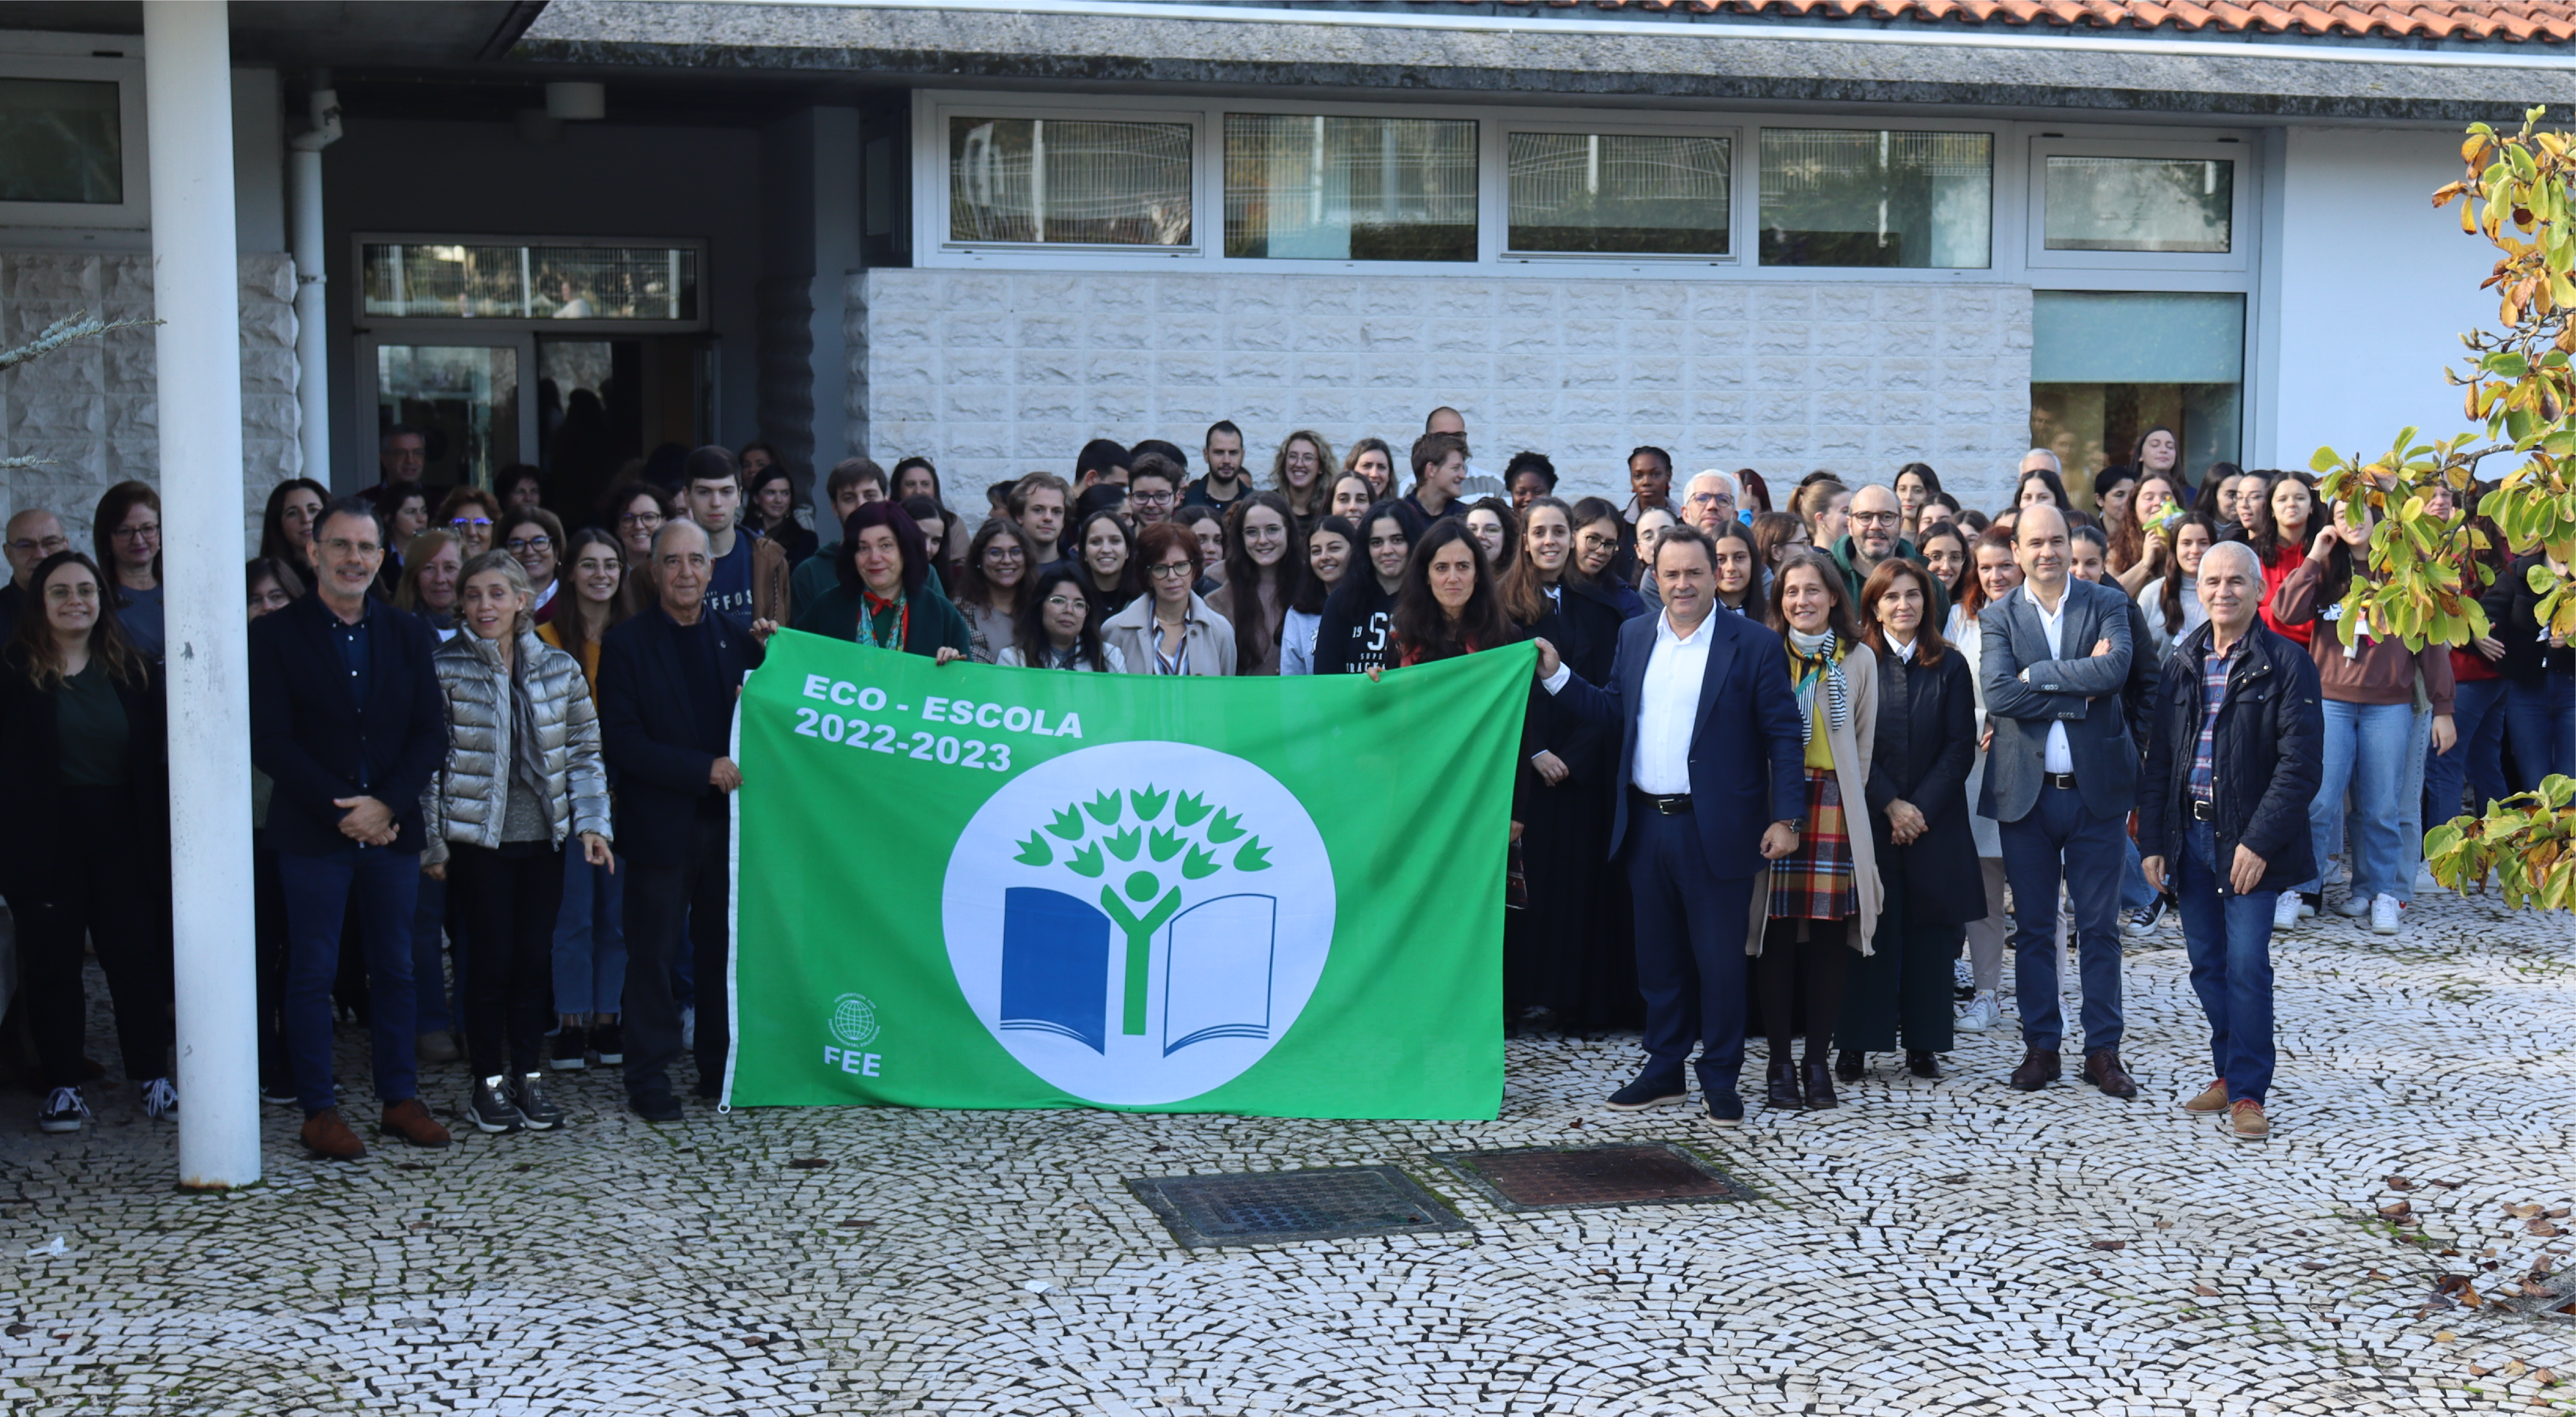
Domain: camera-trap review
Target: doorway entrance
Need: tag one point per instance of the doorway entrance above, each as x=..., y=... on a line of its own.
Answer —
x=603, y=404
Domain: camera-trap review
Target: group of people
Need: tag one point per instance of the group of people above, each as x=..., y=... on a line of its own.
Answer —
x=1783, y=766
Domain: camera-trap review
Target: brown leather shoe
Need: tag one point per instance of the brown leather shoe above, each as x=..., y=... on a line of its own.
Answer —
x=2102, y=1069
x=2039, y=1067
x=329, y=1136
x=411, y=1121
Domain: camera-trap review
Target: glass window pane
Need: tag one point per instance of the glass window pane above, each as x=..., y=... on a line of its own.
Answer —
x=60, y=141
x=2177, y=359
x=466, y=398
x=1837, y=197
x=1364, y=189
x=2140, y=203
x=1619, y=192
x=1069, y=182
x=432, y=280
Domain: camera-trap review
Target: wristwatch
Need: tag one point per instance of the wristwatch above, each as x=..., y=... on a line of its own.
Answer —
x=1795, y=824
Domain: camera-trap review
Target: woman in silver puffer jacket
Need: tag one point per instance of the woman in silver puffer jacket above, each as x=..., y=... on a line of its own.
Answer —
x=523, y=777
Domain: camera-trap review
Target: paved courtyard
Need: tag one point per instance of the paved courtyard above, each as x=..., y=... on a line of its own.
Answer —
x=1943, y=1246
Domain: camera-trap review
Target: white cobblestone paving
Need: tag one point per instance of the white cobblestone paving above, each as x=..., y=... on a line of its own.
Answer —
x=1943, y=1247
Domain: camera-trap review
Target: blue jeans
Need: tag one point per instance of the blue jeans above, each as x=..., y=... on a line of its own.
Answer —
x=2135, y=893
x=2228, y=938
x=2542, y=719
x=2060, y=841
x=2476, y=761
x=590, y=937
x=318, y=889
x=2366, y=748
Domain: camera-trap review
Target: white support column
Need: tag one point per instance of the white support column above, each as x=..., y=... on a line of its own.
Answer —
x=312, y=342
x=195, y=290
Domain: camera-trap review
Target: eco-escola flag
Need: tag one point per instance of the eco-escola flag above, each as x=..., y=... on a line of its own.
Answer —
x=965, y=886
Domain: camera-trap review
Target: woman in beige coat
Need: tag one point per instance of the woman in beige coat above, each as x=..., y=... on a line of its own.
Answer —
x=1820, y=903
x=1168, y=629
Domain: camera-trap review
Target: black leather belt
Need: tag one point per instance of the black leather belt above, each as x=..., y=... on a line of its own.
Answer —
x=2059, y=779
x=1673, y=806
x=2203, y=811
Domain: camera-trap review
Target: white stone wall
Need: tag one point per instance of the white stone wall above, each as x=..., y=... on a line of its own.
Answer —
x=88, y=410
x=995, y=374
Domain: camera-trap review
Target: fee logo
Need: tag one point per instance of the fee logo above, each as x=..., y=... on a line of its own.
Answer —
x=1139, y=923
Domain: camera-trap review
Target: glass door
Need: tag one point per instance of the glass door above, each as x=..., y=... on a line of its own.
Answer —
x=466, y=398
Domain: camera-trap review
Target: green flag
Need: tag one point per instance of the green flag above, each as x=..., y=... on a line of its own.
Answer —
x=965, y=886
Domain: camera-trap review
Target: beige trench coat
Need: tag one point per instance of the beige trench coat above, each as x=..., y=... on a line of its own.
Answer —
x=1852, y=744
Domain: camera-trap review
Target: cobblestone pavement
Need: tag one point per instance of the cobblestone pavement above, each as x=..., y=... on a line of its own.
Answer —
x=1944, y=1246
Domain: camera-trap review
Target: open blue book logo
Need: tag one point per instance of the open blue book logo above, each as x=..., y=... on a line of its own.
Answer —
x=1139, y=922
x=1215, y=974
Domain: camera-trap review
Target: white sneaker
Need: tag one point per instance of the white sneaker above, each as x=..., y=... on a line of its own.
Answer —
x=2285, y=912
x=160, y=1099
x=1979, y=1013
x=2383, y=915
x=2353, y=904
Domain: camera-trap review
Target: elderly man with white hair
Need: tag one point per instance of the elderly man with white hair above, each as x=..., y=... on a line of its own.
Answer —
x=1709, y=502
x=2235, y=750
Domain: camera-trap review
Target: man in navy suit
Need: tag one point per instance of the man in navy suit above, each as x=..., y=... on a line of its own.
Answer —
x=1710, y=758
x=2060, y=780
x=346, y=717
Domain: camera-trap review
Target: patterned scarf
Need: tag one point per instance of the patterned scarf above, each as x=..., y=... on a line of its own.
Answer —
x=527, y=755
x=1817, y=661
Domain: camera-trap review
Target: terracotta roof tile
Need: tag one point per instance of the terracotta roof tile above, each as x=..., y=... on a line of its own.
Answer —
x=2506, y=21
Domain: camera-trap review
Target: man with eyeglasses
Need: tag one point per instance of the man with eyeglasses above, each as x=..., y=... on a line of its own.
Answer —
x=1153, y=489
x=668, y=678
x=402, y=455
x=1876, y=533
x=347, y=720
x=34, y=534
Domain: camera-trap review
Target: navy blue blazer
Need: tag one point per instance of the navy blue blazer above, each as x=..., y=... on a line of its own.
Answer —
x=1747, y=755
x=2089, y=694
x=309, y=734
x=649, y=735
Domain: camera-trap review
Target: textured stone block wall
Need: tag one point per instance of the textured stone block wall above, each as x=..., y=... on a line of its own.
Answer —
x=994, y=374
x=88, y=410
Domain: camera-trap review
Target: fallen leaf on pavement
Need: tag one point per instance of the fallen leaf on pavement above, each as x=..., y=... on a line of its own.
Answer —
x=2446, y=1336
x=2204, y=1291
x=2397, y=1211
x=2400, y=1183
x=2110, y=1244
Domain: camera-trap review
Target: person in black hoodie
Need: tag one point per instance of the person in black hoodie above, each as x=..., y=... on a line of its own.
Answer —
x=1560, y=959
x=2231, y=824
x=1358, y=629
x=1929, y=884
x=85, y=815
x=2539, y=671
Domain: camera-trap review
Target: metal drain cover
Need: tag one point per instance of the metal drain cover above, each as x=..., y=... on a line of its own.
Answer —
x=1269, y=1207
x=1572, y=1178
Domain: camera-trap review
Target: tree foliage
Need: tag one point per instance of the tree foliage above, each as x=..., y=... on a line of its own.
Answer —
x=2519, y=395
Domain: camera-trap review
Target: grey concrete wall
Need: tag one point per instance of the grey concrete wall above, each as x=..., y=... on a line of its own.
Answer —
x=88, y=409
x=992, y=374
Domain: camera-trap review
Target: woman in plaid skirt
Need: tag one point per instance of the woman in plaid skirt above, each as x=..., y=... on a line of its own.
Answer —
x=1824, y=897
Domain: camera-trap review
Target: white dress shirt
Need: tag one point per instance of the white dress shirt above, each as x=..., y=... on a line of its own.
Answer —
x=1667, y=707
x=2058, y=757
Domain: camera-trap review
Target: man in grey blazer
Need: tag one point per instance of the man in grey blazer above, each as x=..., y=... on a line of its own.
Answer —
x=2060, y=780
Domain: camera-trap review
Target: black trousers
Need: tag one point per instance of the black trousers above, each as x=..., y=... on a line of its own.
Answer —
x=1906, y=983
x=664, y=903
x=268, y=942
x=509, y=898
x=1820, y=962
x=117, y=897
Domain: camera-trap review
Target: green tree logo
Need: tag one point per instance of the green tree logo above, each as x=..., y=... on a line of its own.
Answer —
x=1117, y=838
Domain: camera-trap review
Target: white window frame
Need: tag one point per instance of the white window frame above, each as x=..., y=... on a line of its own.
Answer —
x=930, y=174
x=2194, y=147
x=71, y=56
x=2016, y=257
x=1496, y=195
x=432, y=327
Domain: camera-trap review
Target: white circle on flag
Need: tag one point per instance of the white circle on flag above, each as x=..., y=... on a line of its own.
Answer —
x=1139, y=923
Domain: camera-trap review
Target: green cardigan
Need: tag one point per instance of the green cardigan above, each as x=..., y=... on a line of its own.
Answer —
x=935, y=622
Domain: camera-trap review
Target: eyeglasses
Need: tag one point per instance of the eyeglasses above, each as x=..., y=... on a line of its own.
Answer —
x=1064, y=602
x=144, y=532
x=1172, y=571
x=471, y=522
x=1005, y=553
x=529, y=543
x=1149, y=499
x=47, y=547
x=1872, y=518
x=632, y=519
x=1709, y=499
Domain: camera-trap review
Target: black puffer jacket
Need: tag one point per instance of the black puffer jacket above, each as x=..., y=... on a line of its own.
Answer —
x=2265, y=759
x=2513, y=613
